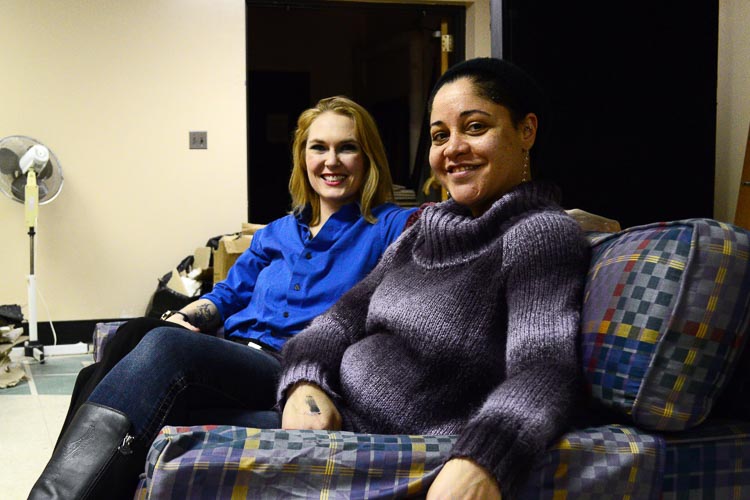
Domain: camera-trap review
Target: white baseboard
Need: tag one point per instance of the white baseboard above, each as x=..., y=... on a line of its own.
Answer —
x=56, y=350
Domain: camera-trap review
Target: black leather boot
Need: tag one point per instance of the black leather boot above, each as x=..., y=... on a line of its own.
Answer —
x=95, y=458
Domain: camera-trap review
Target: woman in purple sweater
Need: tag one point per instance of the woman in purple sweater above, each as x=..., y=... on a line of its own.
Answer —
x=468, y=325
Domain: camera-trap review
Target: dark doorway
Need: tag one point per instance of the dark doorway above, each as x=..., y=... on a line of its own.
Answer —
x=270, y=122
x=384, y=56
x=632, y=101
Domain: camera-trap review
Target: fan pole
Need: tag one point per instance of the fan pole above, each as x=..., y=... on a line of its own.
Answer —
x=33, y=332
x=32, y=347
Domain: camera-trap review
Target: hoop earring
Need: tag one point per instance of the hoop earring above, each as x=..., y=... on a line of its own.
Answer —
x=525, y=174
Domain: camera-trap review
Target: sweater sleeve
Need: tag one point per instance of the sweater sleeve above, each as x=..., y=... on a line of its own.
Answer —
x=314, y=355
x=544, y=261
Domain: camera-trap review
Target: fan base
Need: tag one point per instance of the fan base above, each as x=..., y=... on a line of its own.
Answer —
x=35, y=349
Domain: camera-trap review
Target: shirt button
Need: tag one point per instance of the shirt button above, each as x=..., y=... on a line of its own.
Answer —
x=296, y=287
x=286, y=314
x=308, y=256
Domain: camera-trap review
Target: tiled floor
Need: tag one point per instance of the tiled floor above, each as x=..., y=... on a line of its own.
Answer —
x=31, y=415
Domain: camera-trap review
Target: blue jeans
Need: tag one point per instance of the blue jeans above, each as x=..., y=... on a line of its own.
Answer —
x=178, y=377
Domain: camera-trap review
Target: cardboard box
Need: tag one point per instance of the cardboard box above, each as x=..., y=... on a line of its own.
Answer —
x=202, y=258
x=10, y=373
x=190, y=282
x=230, y=247
x=249, y=228
x=593, y=222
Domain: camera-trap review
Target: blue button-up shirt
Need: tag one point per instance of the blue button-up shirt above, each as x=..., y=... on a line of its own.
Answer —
x=286, y=278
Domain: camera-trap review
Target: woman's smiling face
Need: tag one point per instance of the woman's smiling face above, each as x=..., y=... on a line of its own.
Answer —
x=335, y=160
x=476, y=152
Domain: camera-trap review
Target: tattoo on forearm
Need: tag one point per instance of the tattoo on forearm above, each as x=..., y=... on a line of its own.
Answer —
x=314, y=410
x=204, y=315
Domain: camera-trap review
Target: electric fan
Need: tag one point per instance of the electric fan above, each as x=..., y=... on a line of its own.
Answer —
x=30, y=174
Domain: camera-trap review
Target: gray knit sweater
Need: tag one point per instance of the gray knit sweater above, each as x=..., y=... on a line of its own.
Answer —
x=467, y=326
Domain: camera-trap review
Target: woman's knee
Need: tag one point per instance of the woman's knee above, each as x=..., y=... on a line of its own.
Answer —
x=139, y=324
x=164, y=342
x=127, y=337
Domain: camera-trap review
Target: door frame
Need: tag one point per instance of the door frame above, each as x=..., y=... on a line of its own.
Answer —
x=465, y=37
x=479, y=35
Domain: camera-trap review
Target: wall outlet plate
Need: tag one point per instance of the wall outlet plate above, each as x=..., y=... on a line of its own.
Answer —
x=198, y=140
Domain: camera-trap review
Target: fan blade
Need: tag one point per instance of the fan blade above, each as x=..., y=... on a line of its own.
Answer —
x=43, y=190
x=45, y=171
x=8, y=161
x=18, y=187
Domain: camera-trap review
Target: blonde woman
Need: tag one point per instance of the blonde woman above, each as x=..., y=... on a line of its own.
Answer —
x=296, y=268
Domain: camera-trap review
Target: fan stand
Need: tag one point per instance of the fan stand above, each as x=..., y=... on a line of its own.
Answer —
x=32, y=347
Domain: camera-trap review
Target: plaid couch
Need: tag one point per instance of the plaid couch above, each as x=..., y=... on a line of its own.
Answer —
x=665, y=320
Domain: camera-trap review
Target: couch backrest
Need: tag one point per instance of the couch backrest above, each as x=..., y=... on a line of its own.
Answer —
x=665, y=317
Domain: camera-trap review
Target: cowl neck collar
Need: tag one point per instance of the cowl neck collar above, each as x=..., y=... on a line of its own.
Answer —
x=450, y=235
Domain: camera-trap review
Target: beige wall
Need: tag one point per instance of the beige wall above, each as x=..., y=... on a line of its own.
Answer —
x=733, y=104
x=113, y=88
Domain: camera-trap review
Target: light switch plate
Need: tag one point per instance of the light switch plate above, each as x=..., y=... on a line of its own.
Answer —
x=198, y=140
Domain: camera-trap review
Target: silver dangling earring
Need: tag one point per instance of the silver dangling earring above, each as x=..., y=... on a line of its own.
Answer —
x=525, y=176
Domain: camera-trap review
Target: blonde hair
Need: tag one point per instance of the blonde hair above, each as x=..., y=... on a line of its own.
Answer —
x=377, y=187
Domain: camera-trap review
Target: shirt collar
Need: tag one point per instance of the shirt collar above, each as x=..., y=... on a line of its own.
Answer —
x=348, y=212
x=303, y=217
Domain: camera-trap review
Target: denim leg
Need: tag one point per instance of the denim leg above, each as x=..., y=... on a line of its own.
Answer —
x=241, y=418
x=128, y=336
x=171, y=363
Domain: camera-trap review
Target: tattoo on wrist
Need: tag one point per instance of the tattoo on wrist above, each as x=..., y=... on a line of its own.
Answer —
x=204, y=315
x=314, y=409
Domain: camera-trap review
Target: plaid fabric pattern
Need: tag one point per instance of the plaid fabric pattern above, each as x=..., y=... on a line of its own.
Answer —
x=141, y=491
x=666, y=311
x=710, y=461
x=234, y=462
x=103, y=332
x=599, y=463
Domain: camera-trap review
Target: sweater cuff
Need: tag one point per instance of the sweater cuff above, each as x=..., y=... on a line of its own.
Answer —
x=303, y=372
x=501, y=450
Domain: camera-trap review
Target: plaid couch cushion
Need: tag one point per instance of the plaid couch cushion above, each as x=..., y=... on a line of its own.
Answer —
x=665, y=317
x=103, y=333
x=599, y=463
x=709, y=461
x=232, y=462
x=237, y=462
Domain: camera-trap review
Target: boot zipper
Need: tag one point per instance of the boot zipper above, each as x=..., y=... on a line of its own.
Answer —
x=124, y=447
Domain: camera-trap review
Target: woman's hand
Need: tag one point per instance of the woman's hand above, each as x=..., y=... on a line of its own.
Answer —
x=308, y=407
x=462, y=478
x=179, y=320
x=203, y=317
